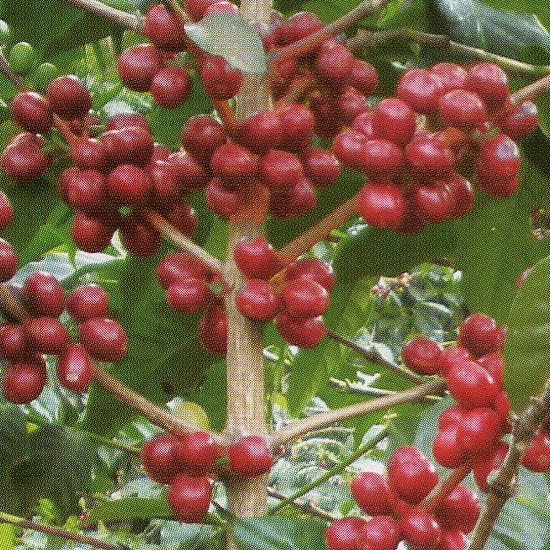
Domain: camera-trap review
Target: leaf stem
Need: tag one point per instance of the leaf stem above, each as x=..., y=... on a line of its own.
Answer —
x=305, y=507
x=305, y=425
x=59, y=532
x=132, y=21
x=360, y=451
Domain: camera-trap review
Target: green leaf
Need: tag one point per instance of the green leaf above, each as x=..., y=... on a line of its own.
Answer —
x=131, y=508
x=230, y=36
x=7, y=536
x=278, y=533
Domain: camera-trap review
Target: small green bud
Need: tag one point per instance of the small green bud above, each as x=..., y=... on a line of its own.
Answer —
x=43, y=75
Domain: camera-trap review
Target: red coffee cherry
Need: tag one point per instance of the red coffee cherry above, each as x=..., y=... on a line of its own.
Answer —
x=363, y=124
x=8, y=261
x=342, y=534
x=372, y=494
x=104, y=339
x=46, y=335
x=311, y=268
x=86, y=190
x=453, y=540
x=296, y=27
x=333, y=62
x=171, y=86
x=429, y=158
x=280, y=170
x=484, y=466
x=196, y=8
x=433, y=202
x=293, y=202
x=463, y=109
x=233, y=163
x=349, y=104
x=138, y=237
x=163, y=30
x=188, y=295
x=6, y=211
x=422, y=355
x=497, y=164
x=348, y=148
x=23, y=382
x=32, y=112
x=451, y=415
x=197, y=454
x=13, y=342
x=452, y=355
x=304, y=298
x=363, y=76
x=394, y=120
x=127, y=184
x=447, y=448
x=189, y=497
x=75, y=369
x=219, y=78
x=320, y=166
x=68, y=97
x=493, y=363
x=421, y=89
x=298, y=123
x=23, y=160
x=488, y=81
x=256, y=258
x=537, y=454
x=87, y=301
x=138, y=65
x=90, y=154
x=462, y=192
x=201, y=136
x=190, y=174
x=43, y=294
x=381, y=158
x=92, y=234
x=479, y=334
x=260, y=132
x=132, y=145
x=479, y=431
x=165, y=181
x=159, y=457
x=421, y=530
x=221, y=6
x=250, y=457
x=471, y=385
x=213, y=330
x=222, y=200
x=521, y=121
x=380, y=533
x=125, y=120
x=178, y=266
x=381, y=204
x=257, y=299
x=304, y=333
x=459, y=511
x=451, y=75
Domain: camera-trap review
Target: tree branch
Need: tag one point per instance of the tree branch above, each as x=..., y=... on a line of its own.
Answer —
x=59, y=532
x=321, y=420
x=502, y=484
x=132, y=21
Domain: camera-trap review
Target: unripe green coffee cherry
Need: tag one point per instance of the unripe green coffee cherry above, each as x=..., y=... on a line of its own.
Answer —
x=4, y=32
x=43, y=75
x=22, y=58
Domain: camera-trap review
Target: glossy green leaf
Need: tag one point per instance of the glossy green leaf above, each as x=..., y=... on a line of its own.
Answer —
x=230, y=36
x=131, y=508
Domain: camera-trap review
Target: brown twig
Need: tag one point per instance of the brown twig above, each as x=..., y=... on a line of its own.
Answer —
x=444, y=487
x=531, y=90
x=132, y=21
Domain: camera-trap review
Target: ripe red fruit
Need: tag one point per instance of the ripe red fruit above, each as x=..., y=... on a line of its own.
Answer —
x=451, y=415
x=342, y=534
x=159, y=457
x=196, y=8
x=363, y=77
x=213, y=330
x=32, y=112
x=43, y=294
x=87, y=301
x=537, y=454
x=293, y=202
x=219, y=78
x=349, y=104
x=222, y=200
x=348, y=148
x=521, y=121
x=260, y=132
x=421, y=89
x=138, y=237
x=23, y=382
x=256, y=258
x=490, y=82
x=304, y=333
x=498, y=163
x=138, y=65
x=197, y=454
x=479, y=431
x=479, y=334
x=311, y=268
x=103, y=338
x=459, y=510
x=394, y=120
x=493, y=363
x=463, y=109
x=178, y=266
x=233, y=163
x=182, y=217
x=221, y=6
x=46, y=335
x=471, y=385
x=132, y=145
x=452, y=540
x=422, y=355
x=68, y=97
x=484, y=466
x=92, y=234
x=13, y=342
x=165, y=181
x=90, y=153
x=333, y=62
x=320, y=166
x=6, y=211
x=303, y=298
x=188, y=295
x=201, y=136
x=125, y=120
x=296, y=27
x=372, y=494
x=446, y=447
x=298, y=123
x=23, y=159
x=429, y=157
x=381, y=158
x=462, y=192
x=451, y=75
x=421, y=530
x=8, y=261
x=257, y=299
x=433, y=202
x=163, y=30
x=280, y=170
x=75, y=369
x=127, y=184
x=189, y=497
x=171, y=86
x=363, y=124
x=450, y=356
x=190, y=174
x=380, y=533
x=250, y=457
x=86, y=190
x=381, y=204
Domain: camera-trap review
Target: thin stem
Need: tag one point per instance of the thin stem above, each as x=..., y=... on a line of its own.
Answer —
x=444, y=487
x=374, y=357
x=59, y=532
x=305, y=507
x=5, y=68
x=178, y=10
x=306, y=425
x=10, y=305
x=132, y=21
x=177, y=238
x=531, y=90
x=503, y=485
x=340, y=467
x=311, y=42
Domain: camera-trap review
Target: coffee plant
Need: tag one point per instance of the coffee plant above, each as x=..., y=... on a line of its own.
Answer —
x=274, y=275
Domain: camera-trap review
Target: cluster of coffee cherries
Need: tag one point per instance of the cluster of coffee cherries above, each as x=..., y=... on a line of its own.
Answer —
x=23, y=345
x=395, y=504
x=185, y=463
x=8, y=257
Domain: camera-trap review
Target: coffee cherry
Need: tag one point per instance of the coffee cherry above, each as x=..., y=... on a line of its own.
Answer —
x=87, y=301
x=280, y=170
x=342, y=534
x=485, y=465
x=233, y=163
x=196, y=8
x=493, y=363
x=125, y=120
x=451, y=75
x=498, y=163
x=304, y=298
x=421, y=89
x=394, y=120
x=363, y=124
x=537, y=454
x=90, y=153
x=381, y=204
x=163, y=30
x=433, y=202
x=447, y=448
x=293, y=202
x=257, y=299
x=86, y=190
x=165, y=182
x=256, y=258
x=22, y=58
x=221, y=6
x=178, y=266
x=32, y=112
x=479, y=431
x=304, y=333
x=381, y=158
x=189, y=497
x=471, y=385
x=333, y=62
x=222, y=200
x=43, y=294
x=502, y=408
x=462, y=192
x=6, y=211
x=311, y=268
x=201, y=136
x=452, y=540
x=46, y=335
x=420, y=530
x=182, y=217
x=138, y=65
x=23, y=160
x=188, y=295
x=451, y=415
x=372, y=494
x=213, y=330
x=190, y=174
x=422, y=355
x=128, y=184
x=459, y=510
x=13, y=342
x=429, y=157
x=68, y=97
x=104, y=339
x=362, y=77
x=479, y=334
x=220, y=79
x=452, y=355
x=296, y=27
x=159, y=457
x=521, y=121
x=348, y=148
x=131, y=145
x=75, y=369
x=260, y=132
x=171, y=86
x=250, y=457
x=197, y=453
x=8, y=261
x=138, y=237
x=349, y=104
x=463, y=109
x=320, y=166
x=92, y=234
x=298, y=123
x=490, y=82
x=23, y=382
x=380, y=533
